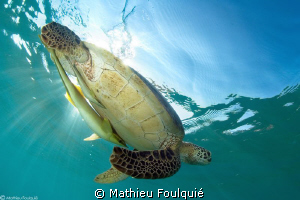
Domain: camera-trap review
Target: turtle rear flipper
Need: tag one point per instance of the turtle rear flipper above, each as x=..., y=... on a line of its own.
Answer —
x=146, y=164
x=111, y=176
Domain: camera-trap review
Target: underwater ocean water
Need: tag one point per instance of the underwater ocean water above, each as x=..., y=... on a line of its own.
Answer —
x=231, y=70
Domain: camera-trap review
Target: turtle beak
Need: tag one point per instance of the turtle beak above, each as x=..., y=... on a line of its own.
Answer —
x=42, y=37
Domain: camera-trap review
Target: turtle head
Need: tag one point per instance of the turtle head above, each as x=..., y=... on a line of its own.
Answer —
x=194, y=154
x=68, y=46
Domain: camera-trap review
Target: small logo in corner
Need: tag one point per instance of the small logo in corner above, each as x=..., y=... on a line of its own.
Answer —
x=2, y=197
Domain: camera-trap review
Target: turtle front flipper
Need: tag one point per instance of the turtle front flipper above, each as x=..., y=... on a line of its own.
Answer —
x=68, y=97
x=89, y=94
x=110, y=176
x=146, y=164
x=99, y=125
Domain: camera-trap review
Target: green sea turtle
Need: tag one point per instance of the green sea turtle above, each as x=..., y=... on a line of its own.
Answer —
x=128, y=108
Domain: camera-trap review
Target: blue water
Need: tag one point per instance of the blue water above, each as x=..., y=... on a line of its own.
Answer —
x=231, y=70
